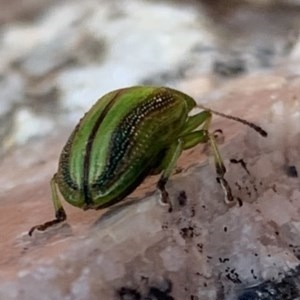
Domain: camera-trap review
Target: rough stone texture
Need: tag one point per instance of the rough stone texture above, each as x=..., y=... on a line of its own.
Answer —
x=202, y=250
x=57, y=59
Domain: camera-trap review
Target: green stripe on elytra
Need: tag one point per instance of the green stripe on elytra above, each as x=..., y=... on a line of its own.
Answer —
x=65, y=162
x=124, y=137
x=87, y=156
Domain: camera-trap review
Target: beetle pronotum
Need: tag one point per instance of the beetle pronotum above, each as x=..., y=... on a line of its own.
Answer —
x=128, y=134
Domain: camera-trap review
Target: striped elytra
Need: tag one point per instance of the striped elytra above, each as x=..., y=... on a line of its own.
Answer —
x=118, y=142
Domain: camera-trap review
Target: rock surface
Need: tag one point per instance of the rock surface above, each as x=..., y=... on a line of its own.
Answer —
x=202, y=250
x=57, y=62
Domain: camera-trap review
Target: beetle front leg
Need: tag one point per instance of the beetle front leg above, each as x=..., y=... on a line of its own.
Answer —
x=193, y=122
x=203, y=136
x=60, y=214
x=167, y=166
x=221, y=170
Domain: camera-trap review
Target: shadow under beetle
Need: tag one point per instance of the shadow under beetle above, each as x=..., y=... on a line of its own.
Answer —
x=127, y=135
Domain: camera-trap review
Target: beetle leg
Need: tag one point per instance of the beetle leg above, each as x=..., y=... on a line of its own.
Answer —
x=193, y=122
x=168, y=164
x=221, y=170
x=203, y=136
x=60, y=214
x=194, y=138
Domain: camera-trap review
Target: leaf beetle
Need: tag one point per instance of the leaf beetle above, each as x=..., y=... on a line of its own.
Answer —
x=127, y=135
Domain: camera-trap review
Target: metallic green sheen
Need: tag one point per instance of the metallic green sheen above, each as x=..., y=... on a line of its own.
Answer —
x=118, y=142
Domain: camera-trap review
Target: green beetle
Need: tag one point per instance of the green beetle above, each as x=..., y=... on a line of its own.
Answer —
x=127, y=135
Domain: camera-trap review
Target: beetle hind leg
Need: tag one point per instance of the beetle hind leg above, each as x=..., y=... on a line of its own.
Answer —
x=167, y=165
x=60, y=214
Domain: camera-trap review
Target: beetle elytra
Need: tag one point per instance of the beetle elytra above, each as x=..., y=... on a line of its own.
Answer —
x=127, y=135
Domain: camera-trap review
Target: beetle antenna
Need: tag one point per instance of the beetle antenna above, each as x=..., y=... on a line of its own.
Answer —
x=252, y=125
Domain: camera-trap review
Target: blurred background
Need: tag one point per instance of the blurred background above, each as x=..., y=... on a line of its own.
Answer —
x=59, y=57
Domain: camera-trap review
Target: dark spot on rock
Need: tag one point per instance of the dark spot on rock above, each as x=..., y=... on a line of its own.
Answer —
x=182, y=198
x=165, y=226
x=225, y=229
x=232, y=275
x=253, y=274
x=160, y=293
x=193, y=212
x=254, y=187
x=125, y=293
x=291, y=171
x=238, y=186
x=151, y=293
x=187, y=232
x=295, y=249
x=145, y=279
x=200, y=247
x=241, y=162
x=156, y=294
x=239, y=201
x=223, y=260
